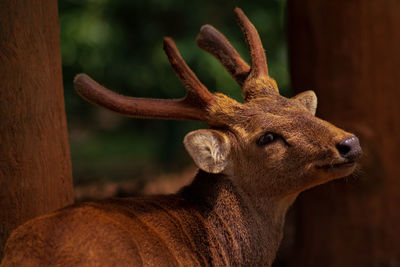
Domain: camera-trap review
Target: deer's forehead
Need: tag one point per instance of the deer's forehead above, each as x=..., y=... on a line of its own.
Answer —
x=273, y=110
x=277, y=105
x=279, y=123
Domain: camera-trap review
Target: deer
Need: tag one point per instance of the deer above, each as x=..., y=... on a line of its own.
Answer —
x=255, y=159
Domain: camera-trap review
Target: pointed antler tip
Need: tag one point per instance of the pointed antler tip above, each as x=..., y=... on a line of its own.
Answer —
x=205, y=32
x=79, y=76
x=206, y=27
x=242, y=18
x=168, y=41
x=85, y=86
x=170, y=46
x=238, y=11
x=79, y=79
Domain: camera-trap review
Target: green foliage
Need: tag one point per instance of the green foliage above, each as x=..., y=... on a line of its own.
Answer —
x=119, y=43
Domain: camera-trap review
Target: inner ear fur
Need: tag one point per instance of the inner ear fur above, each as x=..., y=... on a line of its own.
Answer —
x=209, y=149
x=308, y=99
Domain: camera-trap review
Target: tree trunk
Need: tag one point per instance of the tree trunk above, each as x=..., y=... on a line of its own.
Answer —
x=35, y=165
x=349, y=53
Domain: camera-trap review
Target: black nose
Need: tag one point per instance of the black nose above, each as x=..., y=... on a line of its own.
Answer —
x=350, y=148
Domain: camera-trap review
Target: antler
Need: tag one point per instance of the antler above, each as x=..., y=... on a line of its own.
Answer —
x=192, y=107
x=215, y=43
x=255, y=81
x=198, y=104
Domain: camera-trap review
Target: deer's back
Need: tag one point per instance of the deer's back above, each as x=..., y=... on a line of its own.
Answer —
x=159, y=231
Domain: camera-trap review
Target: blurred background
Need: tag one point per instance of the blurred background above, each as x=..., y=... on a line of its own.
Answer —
x=119, y=44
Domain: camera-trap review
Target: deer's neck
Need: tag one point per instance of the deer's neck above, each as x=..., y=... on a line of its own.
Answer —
x=244, y=227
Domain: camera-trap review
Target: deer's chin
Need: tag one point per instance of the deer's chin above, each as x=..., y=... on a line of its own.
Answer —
x=338, y=169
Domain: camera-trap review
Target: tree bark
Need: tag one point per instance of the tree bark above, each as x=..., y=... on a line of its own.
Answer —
x=349, y=53
x=35, y=165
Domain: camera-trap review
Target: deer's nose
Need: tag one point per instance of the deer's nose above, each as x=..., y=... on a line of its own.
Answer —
x=350, y=148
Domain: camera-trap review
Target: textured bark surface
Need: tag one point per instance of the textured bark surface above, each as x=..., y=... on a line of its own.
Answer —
x=349, y=53
x=35, y=166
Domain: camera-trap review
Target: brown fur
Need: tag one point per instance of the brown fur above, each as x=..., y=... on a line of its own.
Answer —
x=233, y=212
x=232, y=219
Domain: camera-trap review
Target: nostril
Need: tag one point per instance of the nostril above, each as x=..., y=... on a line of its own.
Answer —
x=349, y=148
x=343, y=149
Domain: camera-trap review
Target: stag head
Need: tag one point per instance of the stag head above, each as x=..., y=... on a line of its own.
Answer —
x=268, y=145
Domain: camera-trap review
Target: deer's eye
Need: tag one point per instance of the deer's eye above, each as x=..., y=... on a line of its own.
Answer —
x=267, y=138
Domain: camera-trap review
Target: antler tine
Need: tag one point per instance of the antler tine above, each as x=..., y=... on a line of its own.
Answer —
x=215, y=43
x=258, y=58
x=192, y=107
x=258, y=82
x=196, y=90
x=255, y=81
x=177, y=109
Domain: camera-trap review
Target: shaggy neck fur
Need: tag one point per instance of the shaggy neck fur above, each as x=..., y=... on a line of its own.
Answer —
x=245, y=228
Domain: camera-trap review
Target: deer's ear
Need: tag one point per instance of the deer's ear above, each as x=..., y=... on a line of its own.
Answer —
x=308, y=99
x=209, y=149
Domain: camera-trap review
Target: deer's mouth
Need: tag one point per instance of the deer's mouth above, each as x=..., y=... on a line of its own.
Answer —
x=338, y=169
x=339, y=165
